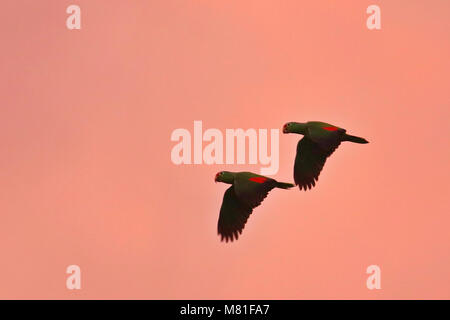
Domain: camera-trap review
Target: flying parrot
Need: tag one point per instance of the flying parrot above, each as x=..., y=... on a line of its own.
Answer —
x=319, y=141
x=247, y=191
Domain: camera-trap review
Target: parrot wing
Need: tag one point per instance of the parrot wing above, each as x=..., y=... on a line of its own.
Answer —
x=233, y=216
x=309, y=162
x=325, y=135
x=252, y=189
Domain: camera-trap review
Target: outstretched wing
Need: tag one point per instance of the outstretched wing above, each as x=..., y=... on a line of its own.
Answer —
x=309, y=162
x=233, y=216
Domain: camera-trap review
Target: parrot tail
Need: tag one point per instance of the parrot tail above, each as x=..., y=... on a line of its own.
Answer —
x=284, y=185
x=354, y=139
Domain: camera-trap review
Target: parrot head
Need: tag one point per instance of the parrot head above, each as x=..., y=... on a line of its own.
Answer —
x=224, y=176
x=294, y=127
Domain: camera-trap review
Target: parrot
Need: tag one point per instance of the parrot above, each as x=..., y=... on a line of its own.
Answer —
x=319, y=141
x=247, y=191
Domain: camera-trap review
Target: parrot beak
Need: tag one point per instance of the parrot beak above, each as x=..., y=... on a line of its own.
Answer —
x=285, y=128
x=215, y=178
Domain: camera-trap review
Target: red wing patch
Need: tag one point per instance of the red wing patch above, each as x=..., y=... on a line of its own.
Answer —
x=330, y=128
x=258, y=179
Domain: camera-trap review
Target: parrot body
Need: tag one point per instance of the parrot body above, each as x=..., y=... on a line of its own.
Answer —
x=247, y=191
x=319, y=141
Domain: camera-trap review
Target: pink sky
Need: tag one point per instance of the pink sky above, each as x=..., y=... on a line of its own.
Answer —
x=87, y=179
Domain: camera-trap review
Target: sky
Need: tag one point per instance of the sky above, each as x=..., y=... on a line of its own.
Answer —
x=86, y=176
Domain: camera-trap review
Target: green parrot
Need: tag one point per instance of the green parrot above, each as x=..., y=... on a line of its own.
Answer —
x=247, y=191
x=319, y=141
